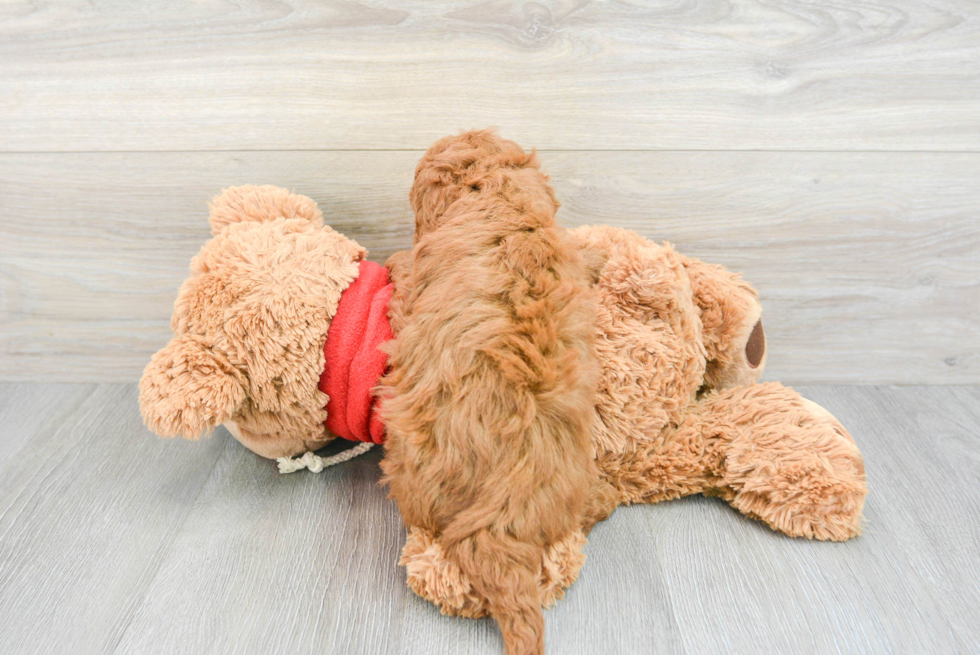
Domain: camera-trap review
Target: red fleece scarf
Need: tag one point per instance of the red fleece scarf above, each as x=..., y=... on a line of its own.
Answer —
x=354, y=362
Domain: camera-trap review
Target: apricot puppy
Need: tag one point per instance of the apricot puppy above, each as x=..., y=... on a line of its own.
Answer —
x=490, y=396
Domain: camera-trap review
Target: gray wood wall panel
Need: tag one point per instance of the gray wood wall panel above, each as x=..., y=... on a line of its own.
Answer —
x=114, y=541
x=562, y=74
x=868, y=263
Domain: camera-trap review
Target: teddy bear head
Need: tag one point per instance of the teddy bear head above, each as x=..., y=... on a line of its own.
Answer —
x=471, y=163
x=250, y=323
x=671, y=328
x=731, y=325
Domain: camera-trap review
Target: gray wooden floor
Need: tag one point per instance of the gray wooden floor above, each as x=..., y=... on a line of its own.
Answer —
x=114, y=541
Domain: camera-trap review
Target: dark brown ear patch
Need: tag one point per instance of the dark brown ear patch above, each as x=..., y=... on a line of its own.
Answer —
x=755, y=347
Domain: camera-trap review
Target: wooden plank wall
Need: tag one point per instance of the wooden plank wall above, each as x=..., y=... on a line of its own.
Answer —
x=832, y=153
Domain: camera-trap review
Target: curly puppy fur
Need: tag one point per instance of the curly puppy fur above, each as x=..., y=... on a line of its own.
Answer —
x=249, y=325
x=490, y=398
x=680, y=413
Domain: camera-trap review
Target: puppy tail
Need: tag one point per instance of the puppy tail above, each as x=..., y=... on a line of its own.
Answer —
x=505, y=571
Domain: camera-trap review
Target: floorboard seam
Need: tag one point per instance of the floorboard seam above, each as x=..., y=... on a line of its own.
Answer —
x=167, y=549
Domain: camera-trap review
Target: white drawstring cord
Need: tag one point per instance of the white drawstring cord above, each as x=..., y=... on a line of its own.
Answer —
x=316, y=463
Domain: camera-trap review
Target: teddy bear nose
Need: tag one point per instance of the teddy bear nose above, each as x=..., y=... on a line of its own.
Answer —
x=755, y=347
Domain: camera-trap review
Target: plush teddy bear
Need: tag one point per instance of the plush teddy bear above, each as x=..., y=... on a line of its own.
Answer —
x=279, y=333
x=681, y=346
x=250, y=347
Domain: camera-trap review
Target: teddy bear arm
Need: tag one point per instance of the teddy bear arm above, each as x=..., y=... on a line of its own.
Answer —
x=782, y=459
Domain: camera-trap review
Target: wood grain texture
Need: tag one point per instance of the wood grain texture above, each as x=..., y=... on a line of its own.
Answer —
x=24, y=411
x=114, y=541
x=269, y=563
x=559, y=74
x=868, y=263
x=831, y=152
x=88, y=510
x=903, y=586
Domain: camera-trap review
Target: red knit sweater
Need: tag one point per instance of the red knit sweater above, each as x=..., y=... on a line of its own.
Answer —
x=354, y=363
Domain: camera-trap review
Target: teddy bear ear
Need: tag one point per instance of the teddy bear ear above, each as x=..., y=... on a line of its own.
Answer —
x=188, y=389
x=260, y=203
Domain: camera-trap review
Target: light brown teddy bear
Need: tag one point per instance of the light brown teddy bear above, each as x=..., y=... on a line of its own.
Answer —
x=681, y=346
x=278, y=328
x=250, y=326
